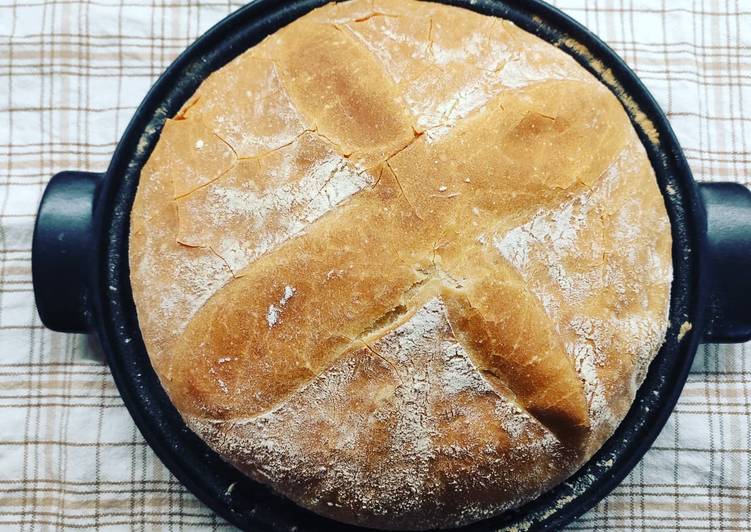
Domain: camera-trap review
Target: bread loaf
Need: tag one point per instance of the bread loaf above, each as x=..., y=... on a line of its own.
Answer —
x=404, y=263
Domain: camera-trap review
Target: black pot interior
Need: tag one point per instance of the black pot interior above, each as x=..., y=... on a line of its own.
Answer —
x=250, y=505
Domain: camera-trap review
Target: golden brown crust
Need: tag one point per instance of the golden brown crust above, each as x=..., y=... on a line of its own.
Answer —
x=405, y=263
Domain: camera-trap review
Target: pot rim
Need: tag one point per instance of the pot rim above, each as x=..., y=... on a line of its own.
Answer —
x=249, y=504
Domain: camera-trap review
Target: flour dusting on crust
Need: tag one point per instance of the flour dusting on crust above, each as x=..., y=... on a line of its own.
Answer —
x=241, y=223
x=402, y=387
x=550, y=251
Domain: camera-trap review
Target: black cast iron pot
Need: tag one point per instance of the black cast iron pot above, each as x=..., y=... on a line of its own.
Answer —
x=81, y=283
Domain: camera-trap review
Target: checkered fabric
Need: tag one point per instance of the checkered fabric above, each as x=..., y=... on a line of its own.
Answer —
x=71, y=74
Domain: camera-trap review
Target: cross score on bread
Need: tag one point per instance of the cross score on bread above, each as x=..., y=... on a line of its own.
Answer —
x=404, y=227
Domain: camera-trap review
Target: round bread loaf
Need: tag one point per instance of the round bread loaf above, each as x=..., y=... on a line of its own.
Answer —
x=404, y=263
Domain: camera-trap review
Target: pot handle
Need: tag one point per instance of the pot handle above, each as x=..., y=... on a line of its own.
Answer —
x=728, y=207
x=61, y=250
